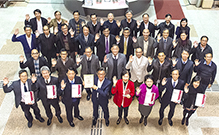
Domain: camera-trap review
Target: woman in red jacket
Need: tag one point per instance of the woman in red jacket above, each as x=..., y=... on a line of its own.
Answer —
x=124, y=90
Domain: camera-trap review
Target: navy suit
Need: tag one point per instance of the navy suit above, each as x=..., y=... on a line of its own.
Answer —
x=101, y=99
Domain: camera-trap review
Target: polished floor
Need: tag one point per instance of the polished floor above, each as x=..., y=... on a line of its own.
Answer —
x=12, y=122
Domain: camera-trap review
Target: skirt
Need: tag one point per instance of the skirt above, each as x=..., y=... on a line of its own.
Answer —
x=144, y=110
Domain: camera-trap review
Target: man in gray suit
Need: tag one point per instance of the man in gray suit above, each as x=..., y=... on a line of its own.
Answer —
x=89, y=65
x=146, y=42
x=20, y=87
x=115, y=63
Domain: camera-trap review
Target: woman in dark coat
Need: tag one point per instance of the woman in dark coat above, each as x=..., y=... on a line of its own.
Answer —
x=183, y=27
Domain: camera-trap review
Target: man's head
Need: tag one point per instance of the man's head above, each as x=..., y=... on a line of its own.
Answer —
x=139, y=52
x=37, y=13
x=161, y=56
x=63, y=54
x=76, y=14
x=88, y=52
x=204, y=41
x=185, y=54
x=145, y=17
x=101, y=73
x=23, y=75
x=27, y=30
x=126, y=32
x=64, y=28
x=175, y=74
x=106, y=31
x=45, y=72
x=208, y=57
x=85, y=30
x=146, y=33
x=57, y=15
x=110, y=17
x=93, y=17
x=165, y=33
x=46, y=30
x=115, y=49
x=128, y=14
x=35, y=54
x=71, y=73
x=168, y=18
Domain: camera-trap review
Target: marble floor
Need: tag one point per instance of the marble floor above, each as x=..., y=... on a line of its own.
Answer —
x=12, y=122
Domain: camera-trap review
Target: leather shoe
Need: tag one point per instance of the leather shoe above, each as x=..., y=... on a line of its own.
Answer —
x=160, y=121
x=72, y=124
x=107, y=122
x=126, y=121
x=40, y=119
x=118, y=121
x=60, y=119
x=88, y=97
x=183, y=121
x=49, y=121
x=187, y=122
x=145, y=122
x=80, y=118
x=170, y=122
x=141, y=120
x=29, y=124
x=94, y=122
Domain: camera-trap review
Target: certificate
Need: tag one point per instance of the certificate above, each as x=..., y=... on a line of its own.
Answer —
x=200, y=100
x=127, y=92
x=149, y=98
x=76, y=91
x=29, y=97
x=88, y=80
x=51, y=91
x=177, y=95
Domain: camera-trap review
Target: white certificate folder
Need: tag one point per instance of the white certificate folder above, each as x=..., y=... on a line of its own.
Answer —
x=29, y=97
x=150, y=98
x=76, y=90
x=200, y=100
x=177, y=95
x=51, y=91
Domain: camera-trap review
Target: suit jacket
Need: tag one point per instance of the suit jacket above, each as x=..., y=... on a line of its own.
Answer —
x=92, y=31
x=80, y=40
x=100, y=44
x=150, y=50
x=16, y=88
x=133, y=26
x=164, y=72
x=121, y=62
x=160, y=47
x=186, y=73
x=54, y=23
x=170, y=27
x=60, y=43
x=180, y=47
x=23, y=40
x=118, y=91
x=114, y=29
x=30, y=64
x=130, y=49
x=169, y=89
x=103, y=91
x=197, y=52
x=95, y=65
x=72, y=24
x=33, y=23
x=151, y=28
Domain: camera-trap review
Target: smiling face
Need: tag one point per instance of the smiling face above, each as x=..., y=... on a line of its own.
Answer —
x=126, y=33
x=208, y=57
x=165, y=33
x=88, y=52
x=106, y=32
x=175, y=74
x=128, y=15
x=146, y=33
x=23, y=77
x=161, y=56
x=168, y=19
x=101, y=75
x=85, y=31
x=125, y=77
x=145, y=18
x=110, y=17
x=35, y=54
x=115, y=50
x=28, y=31
x=45, y=74
x=183, y=36
x=70, y=74
x=149, y=82
x=58, y=15
x=183, y=23
x=196, y=84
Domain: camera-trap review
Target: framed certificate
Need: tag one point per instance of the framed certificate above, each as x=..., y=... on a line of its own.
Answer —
x=177, y=95
x=150, y=98
x=76, y=91
x=29, y=97
x=51, y=91
x=127, y=91
x=88, y=80
x=200, y=100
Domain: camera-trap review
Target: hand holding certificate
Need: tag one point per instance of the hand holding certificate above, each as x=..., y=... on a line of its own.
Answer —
x=176, y=96
x=76, y=90
x=200, y=100
x=88, y=80
x=149, y=98
x=29, y=98
x=51, y=91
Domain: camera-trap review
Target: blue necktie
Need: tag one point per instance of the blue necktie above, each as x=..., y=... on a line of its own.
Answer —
x=174, y=83
x=165, y=44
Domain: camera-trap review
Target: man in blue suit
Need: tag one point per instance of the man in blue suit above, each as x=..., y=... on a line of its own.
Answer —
x=99, y=95
x=27, y=40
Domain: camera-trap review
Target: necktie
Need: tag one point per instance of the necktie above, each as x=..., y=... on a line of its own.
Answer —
x=174, y=83
x=125, y=47
x=47, y=82
x=107, y=46
x=25, y=88
x=165, y=44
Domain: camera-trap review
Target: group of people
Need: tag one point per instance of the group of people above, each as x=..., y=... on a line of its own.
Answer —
x=126, y=58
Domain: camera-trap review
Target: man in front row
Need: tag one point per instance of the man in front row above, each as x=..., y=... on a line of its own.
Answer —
x=99, y=95
x=20, y=87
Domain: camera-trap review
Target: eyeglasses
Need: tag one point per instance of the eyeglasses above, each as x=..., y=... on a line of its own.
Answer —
x=34, y=53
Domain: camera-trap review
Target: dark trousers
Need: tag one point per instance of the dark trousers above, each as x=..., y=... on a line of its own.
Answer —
x=69, y=108
x=104, y=107
x=171, y=112
x=88, y=91
x=47, y=106
x=120, y=110
x=26, y=110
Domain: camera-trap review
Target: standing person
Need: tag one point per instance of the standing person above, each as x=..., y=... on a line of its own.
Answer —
x=20, y=87
x=124, y=90
x=66, y=93
x=190, y=98
x=41, y=86
x=183, y=27
x=170, y=84
x=146, y=87
x=100, y=89
x=112, y=24
x=94, y=25
x=27, y=40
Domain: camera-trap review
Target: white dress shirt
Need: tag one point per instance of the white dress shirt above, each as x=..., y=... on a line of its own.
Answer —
x=29, y=40
x=23, y=91
x=39, y=26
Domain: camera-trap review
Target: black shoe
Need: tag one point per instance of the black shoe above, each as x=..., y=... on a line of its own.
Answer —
x=49, y=121
x=160, y=121
x=40, y=119
x=60, y=119
x=29, y=124
x=187, y=122
x=126, y=121
x=170, y=122
x=94, y=122
x=183, y=121
x=141, y=119
x=80, y=118
x=88, y=97
x=118, y=121
x=145, y=121
x=72, y=124
x=107, y=122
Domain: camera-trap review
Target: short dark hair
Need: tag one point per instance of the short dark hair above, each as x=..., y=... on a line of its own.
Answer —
x=76, y=11
x=148, y=77
x=36, y=10
x=127, y=11
x=85, y=26
x=126, y=28
x=63, y=50
x=27, y=26
x=196, y=78
x=209, y=53
x=140, y=48
x=92, y=15
x=165, y=30
x=106, y=27
x=125, y=71
x=64, y=24
x=115, y=45
x=204, y=37
x=184, y=31
x=186, y=50
x=168, y=15
x=57, y=12
x=101, y=69
x=161, y=52
x=22, y=71
x=175, y=69
x=88, y=47
x=184, y=19
x=145, y=14
x=72, y=69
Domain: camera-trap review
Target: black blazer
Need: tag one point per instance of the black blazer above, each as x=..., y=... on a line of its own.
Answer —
x=60, y=43
x=197, y=53
x=103, y=91
x=160, y=47
x=151, y=28
x=180, y=47
x=30, y=64
x=33, y=23
x=130, y=49
x=133, y=26
x=92, y=31
x=16, y=87
x=100, y=44
x=170, y=27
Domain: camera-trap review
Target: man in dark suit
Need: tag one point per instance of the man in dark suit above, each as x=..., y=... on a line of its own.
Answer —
x=99, y=96
x=20, y=87
x=27, y=40
x=84, y=40
x=41, y=86
x=146, y=24
x=34, y=63
x=125, y=43
x=94, y=25
x=66, y=93
x=104, y=43
x=170, y=84
x=89, y=65
x=146, y=43
x=112, y=24
x=37, y=22
x=164, y=44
